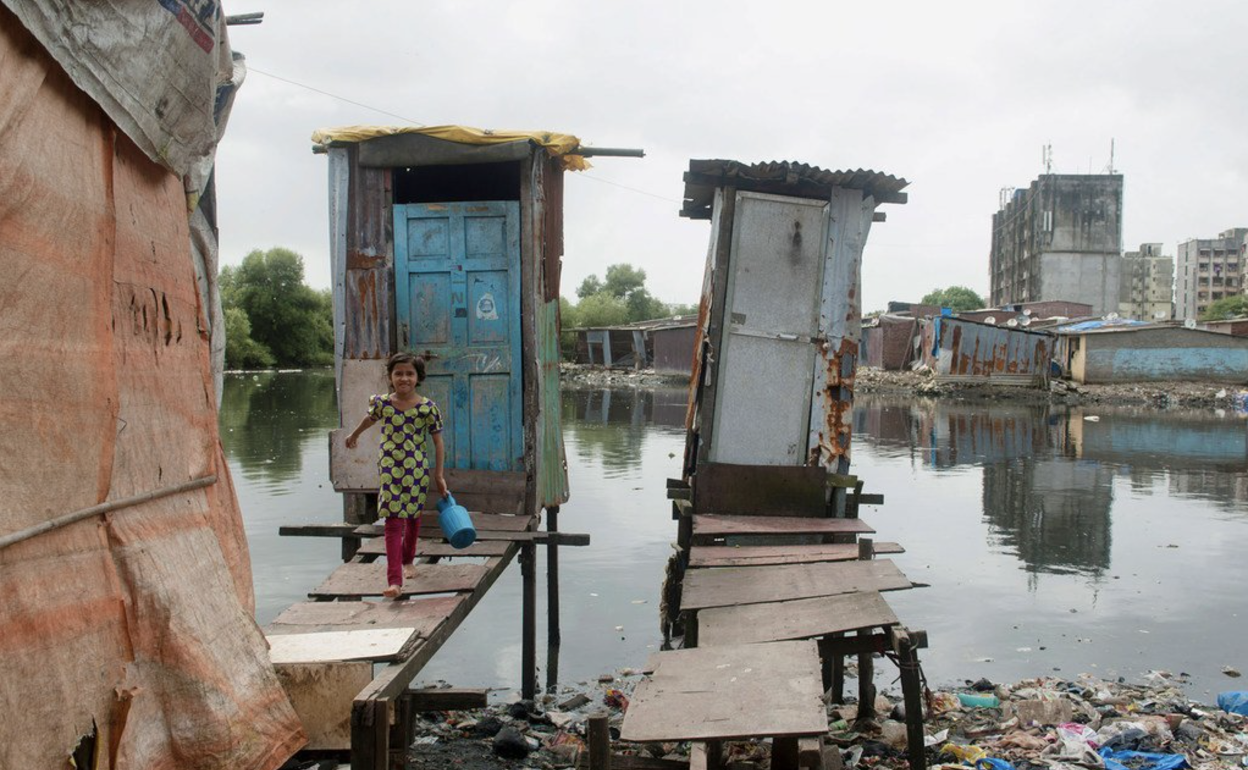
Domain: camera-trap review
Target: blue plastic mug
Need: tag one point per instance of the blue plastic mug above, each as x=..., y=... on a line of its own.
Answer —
x=455, y=522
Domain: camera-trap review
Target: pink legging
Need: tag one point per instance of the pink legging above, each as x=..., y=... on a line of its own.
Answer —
x=401, y=537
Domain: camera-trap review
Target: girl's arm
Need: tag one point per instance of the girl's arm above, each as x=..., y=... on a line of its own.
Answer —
x=364, y=425
x=439, y=452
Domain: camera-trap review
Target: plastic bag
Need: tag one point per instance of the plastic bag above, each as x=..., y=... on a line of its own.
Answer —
x=1235, y=702
x=1141, y=760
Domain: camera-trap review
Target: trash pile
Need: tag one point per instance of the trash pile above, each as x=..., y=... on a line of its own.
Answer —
x=549, y=732
x=1057, y=723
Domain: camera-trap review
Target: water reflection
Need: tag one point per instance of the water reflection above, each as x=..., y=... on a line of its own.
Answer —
x=611, y=424
x=266, y=418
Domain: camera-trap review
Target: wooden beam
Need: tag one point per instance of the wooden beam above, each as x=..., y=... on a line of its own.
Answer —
x=599, y=743
x=448, y=699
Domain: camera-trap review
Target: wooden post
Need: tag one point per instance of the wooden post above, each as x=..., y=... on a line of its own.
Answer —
x=908, y=661
x=599, y=742
x=784, y=753
x=866, y=681
x=401, y=732
x=528, y=641
x=370, y=734
x=553, y=635
x=357, y=508
x=866, y=549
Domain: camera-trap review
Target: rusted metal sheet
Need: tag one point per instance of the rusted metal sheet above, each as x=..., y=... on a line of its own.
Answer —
x=552, y=228
x=797, y=342
x=673, y=349
x=369, y=260
x=958, y=350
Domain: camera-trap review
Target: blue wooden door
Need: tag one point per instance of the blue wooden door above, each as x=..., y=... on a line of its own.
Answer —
x=457, y=287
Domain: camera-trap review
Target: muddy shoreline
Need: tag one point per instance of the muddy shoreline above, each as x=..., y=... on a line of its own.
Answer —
x=1155, y=395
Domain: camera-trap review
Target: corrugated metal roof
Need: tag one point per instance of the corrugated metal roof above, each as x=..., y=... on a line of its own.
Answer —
x=1103, y=324
x=791, y=178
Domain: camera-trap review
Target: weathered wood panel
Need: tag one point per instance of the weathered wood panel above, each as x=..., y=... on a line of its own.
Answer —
x=376, y=644
x=759, y=555
x=377, y=547
x=321, y=694
x=763, y=490
x=424, y=615
x=707, y=526
x=799, y=619
x=722, y=587
x=368, y=281
x=360, y=580
x=717, y=693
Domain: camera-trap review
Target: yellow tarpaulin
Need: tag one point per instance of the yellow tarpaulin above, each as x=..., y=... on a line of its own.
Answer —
x=558, y=145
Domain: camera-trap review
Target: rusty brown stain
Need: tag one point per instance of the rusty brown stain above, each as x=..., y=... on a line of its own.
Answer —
x=358, y=260
x=834, y=440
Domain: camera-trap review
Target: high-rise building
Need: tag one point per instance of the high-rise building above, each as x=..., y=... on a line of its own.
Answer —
x=1209, y=269
x=1147, y=281
x=1059, y=239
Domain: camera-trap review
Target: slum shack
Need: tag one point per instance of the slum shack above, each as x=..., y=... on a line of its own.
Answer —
x=960, y=350
x=770, y=572
x=1105, y=352
x=780, y=309
x=447, y=242
x=888, y=342
x=664, y=344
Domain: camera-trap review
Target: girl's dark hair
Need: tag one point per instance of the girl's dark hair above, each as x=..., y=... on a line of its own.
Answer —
x=416, y=361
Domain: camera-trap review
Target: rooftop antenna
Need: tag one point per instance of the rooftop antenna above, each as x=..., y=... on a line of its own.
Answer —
x=1046, y=157
x=1004, y=197
x=1111, y=155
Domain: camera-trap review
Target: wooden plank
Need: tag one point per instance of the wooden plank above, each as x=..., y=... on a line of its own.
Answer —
x=758, y=555
x=708, y=526
x=317, y=530
x=331, y=646
x=321, y=694
x=726, y=586
x=359, y=580
x=765, y=490
x=377, y=547
x=797, y=619
x=538, y=538
x=492, y=522
x=424, y=615
x=739, y=691
x=392, y=680
x=447, y=698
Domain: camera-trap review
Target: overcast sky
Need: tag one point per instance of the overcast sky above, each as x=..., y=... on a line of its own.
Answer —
x=958, y=98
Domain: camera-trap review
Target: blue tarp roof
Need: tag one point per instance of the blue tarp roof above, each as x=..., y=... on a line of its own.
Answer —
x=1103, y=323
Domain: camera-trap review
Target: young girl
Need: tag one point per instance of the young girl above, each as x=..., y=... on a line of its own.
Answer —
x=408, y=420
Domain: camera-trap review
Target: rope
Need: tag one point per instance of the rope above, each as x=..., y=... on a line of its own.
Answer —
x=95, y=510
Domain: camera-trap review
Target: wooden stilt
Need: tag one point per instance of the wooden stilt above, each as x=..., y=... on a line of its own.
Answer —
x=599, y=742
x=553, y=634
x=866, y=681
x=908, y=660
x=528, y=641
x=784, y=754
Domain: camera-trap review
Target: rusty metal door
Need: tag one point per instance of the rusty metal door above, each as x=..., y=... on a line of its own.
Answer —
x=457, y=286
x=767, y=359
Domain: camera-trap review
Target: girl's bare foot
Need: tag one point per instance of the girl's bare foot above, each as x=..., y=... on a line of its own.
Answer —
x=392, y=592
x=409, y=571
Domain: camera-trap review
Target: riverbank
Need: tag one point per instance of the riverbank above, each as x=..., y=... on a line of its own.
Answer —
x=1046, y=721
x=1159, y=395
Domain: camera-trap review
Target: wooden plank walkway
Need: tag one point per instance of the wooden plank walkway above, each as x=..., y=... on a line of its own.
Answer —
x=726, y=586
x=723, y=693
x=376, y=546
x=355, y=581
x=797, y=619
x=707, y=527
x=760, y=555
x=424, y=615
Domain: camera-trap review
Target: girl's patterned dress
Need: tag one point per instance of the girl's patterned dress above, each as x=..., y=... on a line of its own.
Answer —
x=405, y=456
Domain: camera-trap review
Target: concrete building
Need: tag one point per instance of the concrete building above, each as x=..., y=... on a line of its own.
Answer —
x=1147, y=284
x=1061, y=238
x=1094, y=353
x=1209, y=270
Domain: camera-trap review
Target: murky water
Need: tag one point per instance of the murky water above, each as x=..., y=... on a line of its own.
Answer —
x=1051, y=542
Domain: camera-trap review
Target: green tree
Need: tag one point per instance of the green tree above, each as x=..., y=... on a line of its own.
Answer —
x=678, y=309
x=289, y=318
x=241, y=351
x=1228, y=307
x=601, y=309
x=623, y=279
x=957, y=298
x=591, y=285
